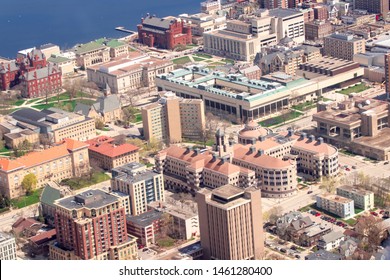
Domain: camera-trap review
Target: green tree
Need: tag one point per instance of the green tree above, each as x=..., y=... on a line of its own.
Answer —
x=29, y=183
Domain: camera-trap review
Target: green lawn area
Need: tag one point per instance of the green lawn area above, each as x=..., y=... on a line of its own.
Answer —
x=27, y=200
x=351, y=222
x=4, y=150
x=166, y=242
x=203, y=55
x=138, y=118
x=228, y=61
x=306, y=208
x=19, y=102
x=32, y=100
x=280, y=119
x=304, y=106
x=85, y=181
x=358, y=210
x=181, y=60
x=355, y=88
x=217, y=64
x=348, y=153
x=198, y=58
x=64, y=105
x=200, y=143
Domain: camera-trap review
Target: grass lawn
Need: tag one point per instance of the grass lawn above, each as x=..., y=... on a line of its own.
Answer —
x=306, y=208
x=228, y=61
x=4, y=150
x=138, y=118
x=181, y=60
x=305, y=106
x=27, y=200
x=280, y=119
x=348, y=153
x=32, y=100
x=19, y=102
x=166, y=242
x=200, y=143
x=355, y=89
x=206, y=56
x=83, y=182
x=358, y=210
x=198, y=58
x=351, y=222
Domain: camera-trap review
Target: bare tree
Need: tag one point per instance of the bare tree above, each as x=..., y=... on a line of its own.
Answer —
x=72, y=87
x=370, y=231
x=274, y=213
x=329, y=184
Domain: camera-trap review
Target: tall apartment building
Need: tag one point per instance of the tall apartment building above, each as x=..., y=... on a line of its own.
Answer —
x=143, y=186
x=108, y=155
x=173, y=118
x=92, y=226
x=373, y=6
x=7, y=247
x=56, y=124
x=66, y=159
x=362, y=199
x=241, y=40
x=335, y=204
x=230, y=221
x=274, y=4
x=317, y=30
x=343, y=46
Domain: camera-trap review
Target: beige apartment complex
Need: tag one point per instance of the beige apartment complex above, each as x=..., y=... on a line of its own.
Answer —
x=335, y=204
x=66, y=65
x=173, y=119
x=57, y=125
x=91, y=53
x=362, y=199
x=104, y=153
x=343, y=46
x=92, y=226
x=143, y=186
x=134, y=71
x=231, y=226
x=358, y=124
x=65, y=160
x=242, y=40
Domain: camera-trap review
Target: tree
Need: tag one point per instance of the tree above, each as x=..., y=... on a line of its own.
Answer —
x=1, y=144
x=45, y=140
x=165, y=225
x=329, y=184
x=130, y=114
x=99, y=124
x=370, y=232
x=29, y=183
x=72, y=87
x=90, y=87
x=274, y=214
x=22, y=148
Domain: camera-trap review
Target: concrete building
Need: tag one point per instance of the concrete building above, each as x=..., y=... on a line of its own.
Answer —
x=92, y=226
x=66, y=65
x=108, y=109
x=373, y=6
x=362, y=199
x=66, y=159
x=335, y=204
x=241, y=40
x=184, y=220
x=141, y=185
x=166, y=33
x=56, y=124
x=145, y=227
x=104, y=153
x=358, y=124
x=230, y=221
x=128, y=73
x=317, y=30
x=7, y=247
x=343, y=46
x=49, y=49
x=235, y=97
x=15, y=133
x=90, y=54
x=331, y=241
x=210, y=6
x=173, y=118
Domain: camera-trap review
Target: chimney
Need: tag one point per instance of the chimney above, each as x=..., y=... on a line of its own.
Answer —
x=303, y=136
x=312, y=138
x=197, y=151
x=262, y=138
x=260, y=152
x=214, y=157
x=290, y=132
x=252, y=149
x=320, y=140
x=188, y=149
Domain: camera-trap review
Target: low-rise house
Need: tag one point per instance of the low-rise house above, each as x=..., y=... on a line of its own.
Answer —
x=146, y=227
x=39, y=244
x=331, y=240
x=26, y=226
x=347, y=247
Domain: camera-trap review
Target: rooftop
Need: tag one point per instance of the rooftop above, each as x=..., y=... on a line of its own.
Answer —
x=104, y=146
x=228, y=192
x=332, y=236
x=88, y=47
x=354, y=189
x=89, y=199
x=144, y=219
x=133, y=172
x=335, y=198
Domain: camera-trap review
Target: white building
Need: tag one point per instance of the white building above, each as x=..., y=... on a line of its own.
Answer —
x=338, y=205
x=331, y=240
x=362, y=199
x=7, y=247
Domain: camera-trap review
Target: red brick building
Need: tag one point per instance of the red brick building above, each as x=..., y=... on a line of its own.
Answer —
x=166, y=33
x=321, y=12
x=92, y=225
x=34, y=74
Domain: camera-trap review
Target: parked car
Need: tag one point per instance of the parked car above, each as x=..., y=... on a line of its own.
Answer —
x=309, y=192
x=283, y=250
x=297, y=256
x=374, y=213
x=354, y=167
x=317, y=214
x=386, y=162
x=347, y=169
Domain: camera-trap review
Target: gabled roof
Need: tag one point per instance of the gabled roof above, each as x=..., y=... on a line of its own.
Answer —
x=103, y=145
x=158, y=22
x=50, y=194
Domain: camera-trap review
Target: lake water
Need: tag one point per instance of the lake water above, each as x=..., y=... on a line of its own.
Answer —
x=28, y=23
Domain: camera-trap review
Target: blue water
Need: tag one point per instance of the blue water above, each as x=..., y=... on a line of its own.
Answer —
x=28, y=23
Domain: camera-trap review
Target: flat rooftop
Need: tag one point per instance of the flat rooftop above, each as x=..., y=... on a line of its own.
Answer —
x=228, y=192
x=133, y=172
x=380, y=141
x=89, y=199
x=354, y=189
x=335, y=198
x=144, y=219
x=180, y=211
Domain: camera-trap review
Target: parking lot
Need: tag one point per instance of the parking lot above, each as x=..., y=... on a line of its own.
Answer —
x=285, y=248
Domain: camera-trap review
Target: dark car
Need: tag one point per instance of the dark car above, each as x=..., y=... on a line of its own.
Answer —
x=283, y=250
x=309, y=192
x=293, y=247
x=297, y=256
